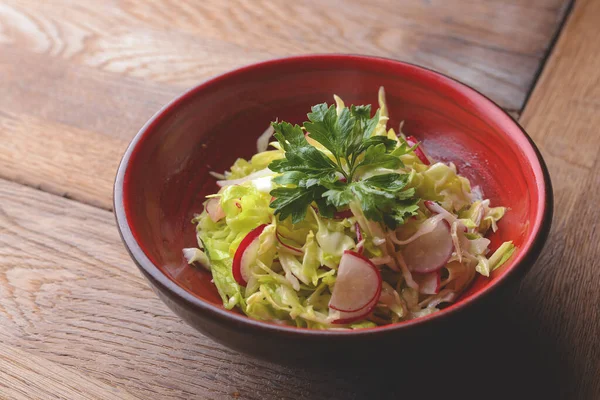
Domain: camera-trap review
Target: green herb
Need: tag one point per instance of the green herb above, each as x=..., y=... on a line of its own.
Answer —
x=381, y=197
x=329, y=178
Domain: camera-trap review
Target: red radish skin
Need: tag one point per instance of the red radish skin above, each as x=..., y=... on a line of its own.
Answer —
x=343, y=214
x=349, y=317
x=428, y=283
x=435, y=208
x=238, y=269
x=214, y=210
x=292, y=249
x=359, y=238
x=358, y=283
x=430, y=252
x=412, y=141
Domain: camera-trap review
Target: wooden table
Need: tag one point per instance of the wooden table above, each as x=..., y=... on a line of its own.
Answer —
x=79, y=78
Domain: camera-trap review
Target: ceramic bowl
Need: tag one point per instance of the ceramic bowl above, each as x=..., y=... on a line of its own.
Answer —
x=164, y=176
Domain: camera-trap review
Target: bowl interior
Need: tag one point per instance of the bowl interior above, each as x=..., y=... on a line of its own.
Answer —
x=209, y=127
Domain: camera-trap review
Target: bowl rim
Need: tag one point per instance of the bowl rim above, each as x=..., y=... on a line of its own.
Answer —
x=523, y=262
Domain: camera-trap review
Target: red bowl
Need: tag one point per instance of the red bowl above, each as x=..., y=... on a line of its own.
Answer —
x=163, y=178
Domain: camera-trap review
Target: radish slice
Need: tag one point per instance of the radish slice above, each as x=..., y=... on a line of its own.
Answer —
x=359, y=238
x=291, y=249
x=411, y=140
x=429, y=252
x=214, y=209
x=429, y=283
x=349, y=317
x=245, y=255
x=426, y=227
x=258, y=174
x=358, y=282
x=437, y=209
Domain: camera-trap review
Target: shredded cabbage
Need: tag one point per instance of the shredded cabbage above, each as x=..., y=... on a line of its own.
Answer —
x=293, y=269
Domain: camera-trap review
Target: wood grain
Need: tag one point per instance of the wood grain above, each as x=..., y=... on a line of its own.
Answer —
x=76, y=166
x=562, y=116
x=72, y=297
x=28, y=377
x=495, y=46
x=56, y=135
x=79, y=78
x=91, y=73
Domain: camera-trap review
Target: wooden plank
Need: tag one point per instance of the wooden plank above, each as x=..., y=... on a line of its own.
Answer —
x=562, y=116
x=71, y=296
x=26, y=376
x=80, y=78
x=56, y=135
x=60, y=159
x=56, y=91
x=495, y=46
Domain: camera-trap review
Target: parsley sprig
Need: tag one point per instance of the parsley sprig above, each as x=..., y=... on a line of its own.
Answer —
x=329, y=177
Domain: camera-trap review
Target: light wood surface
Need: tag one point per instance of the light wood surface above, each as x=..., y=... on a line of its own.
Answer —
x=77, y=314
x=26, y=376
x=78, y=79
x=92, y=72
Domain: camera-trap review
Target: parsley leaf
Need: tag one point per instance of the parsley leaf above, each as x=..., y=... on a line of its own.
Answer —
x=298, y=192
x=363, y=115
x=299, y=154
x=294, y=202
x=310, y=175
x=375, y=156
x=401, y=211
x=403, y=148
x=377, y=195
x=337, y=133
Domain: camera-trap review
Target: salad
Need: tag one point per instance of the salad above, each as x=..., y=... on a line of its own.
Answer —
x=343, y=224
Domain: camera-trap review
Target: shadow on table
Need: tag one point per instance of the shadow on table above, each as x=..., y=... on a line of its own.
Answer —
x=501, y=355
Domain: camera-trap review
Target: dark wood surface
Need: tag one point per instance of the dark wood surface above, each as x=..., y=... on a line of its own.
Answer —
x=562, y=116
x=78, y=79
